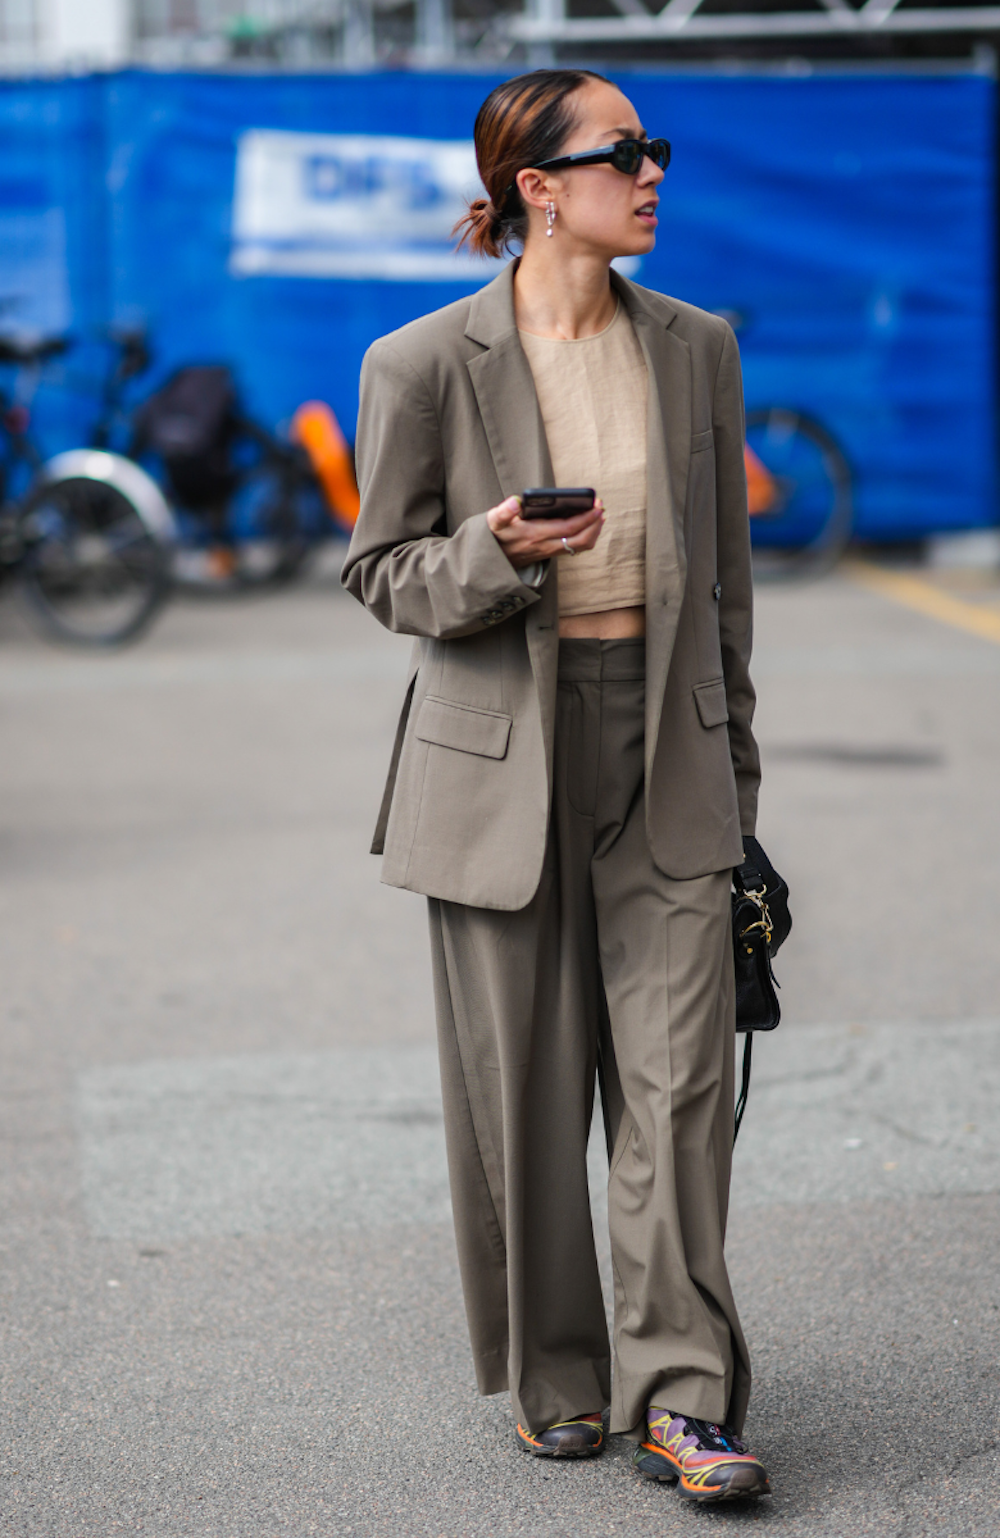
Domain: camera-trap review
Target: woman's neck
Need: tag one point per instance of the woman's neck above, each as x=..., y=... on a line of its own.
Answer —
x=562, y=297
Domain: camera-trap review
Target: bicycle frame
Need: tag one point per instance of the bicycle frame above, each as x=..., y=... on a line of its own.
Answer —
x=15, y=423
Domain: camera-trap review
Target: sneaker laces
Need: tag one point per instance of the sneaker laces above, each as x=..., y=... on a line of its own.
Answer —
x=682, y=1432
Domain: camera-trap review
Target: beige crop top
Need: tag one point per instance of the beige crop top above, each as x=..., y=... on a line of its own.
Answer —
x=593, y=395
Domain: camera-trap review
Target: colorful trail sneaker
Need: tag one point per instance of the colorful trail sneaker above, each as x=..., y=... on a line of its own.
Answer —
x=579, y=1438
x=708, y=1463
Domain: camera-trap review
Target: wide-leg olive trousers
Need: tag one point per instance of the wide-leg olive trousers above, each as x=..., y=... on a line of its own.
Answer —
x=612, y=968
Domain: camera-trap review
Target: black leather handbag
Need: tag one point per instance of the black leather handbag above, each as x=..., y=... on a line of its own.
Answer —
x=761, y=922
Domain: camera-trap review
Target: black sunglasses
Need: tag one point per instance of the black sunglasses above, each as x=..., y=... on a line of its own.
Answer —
x=626, y=156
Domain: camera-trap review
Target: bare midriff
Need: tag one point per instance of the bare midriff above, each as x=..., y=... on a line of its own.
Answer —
x=605, y=625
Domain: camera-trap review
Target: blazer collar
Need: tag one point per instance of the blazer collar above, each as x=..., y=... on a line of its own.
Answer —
x=505, y=389
x=491, y=311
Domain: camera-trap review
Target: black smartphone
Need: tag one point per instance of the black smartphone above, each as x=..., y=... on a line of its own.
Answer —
x=556, y=501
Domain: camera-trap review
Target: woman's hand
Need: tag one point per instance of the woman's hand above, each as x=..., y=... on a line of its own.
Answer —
x=527, y=540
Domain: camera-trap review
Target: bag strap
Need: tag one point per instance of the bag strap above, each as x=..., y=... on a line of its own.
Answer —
x=746, y=878
x=741, y=1104
x=752, y=875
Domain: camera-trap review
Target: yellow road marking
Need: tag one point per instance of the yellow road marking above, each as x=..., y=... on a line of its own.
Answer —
x=922, y=596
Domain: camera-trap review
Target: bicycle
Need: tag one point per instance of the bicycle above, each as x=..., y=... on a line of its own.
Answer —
x=799, y=493
x=86, y=535
x=800, y=489
x=251, y=507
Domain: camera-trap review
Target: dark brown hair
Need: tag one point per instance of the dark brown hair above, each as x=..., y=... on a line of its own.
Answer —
x=524, y=121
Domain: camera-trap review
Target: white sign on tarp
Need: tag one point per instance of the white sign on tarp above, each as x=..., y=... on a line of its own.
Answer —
x=353, y=206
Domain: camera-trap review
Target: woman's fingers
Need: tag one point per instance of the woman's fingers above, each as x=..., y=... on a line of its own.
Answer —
x=581, y=533
x=568, y=527
x=527, y=540
x=576, y=546
x=509, y=512
x=504, y=514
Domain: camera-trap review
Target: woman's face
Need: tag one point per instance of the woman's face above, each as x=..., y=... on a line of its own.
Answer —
x=599, y=209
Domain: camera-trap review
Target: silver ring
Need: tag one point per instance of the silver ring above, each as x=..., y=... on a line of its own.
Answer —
x=567, y=546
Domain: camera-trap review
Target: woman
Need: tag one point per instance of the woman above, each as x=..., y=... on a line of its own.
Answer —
x=572, y=774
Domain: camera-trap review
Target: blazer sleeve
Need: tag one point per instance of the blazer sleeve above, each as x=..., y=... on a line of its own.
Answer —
x=735, y=576
x=414, y=578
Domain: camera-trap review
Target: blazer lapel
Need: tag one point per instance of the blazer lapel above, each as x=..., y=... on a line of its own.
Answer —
x=505, y=390
x=668, y=364
x=508, y=405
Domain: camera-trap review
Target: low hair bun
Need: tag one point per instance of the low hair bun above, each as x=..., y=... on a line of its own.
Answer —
x=482, y=227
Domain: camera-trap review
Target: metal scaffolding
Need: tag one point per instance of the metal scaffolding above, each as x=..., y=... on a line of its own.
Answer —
x=362, y=33
x=552, y=22
x=359, y=32
x=351, y=32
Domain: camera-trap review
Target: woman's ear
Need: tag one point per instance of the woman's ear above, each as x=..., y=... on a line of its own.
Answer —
x=535, y=189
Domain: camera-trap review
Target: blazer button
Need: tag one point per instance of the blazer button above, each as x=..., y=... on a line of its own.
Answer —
x=717, y=591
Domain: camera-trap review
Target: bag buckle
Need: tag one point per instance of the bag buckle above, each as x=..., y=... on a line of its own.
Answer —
x=764, y=922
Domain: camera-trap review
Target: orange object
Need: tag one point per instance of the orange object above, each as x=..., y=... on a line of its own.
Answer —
x=317, y=429
x=762, y=488
x=220, y=563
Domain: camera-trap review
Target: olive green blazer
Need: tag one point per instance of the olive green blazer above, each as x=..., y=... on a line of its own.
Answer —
x=449, y=426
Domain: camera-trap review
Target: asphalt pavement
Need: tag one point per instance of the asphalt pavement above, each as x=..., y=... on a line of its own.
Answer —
x=228, y=1294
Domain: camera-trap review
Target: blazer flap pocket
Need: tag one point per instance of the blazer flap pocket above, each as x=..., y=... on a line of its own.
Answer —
x=701, y=441
x=711, y=701
x=464, y=727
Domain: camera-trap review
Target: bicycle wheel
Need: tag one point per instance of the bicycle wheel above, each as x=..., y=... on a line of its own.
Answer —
x=801, y=501
x=93, y=571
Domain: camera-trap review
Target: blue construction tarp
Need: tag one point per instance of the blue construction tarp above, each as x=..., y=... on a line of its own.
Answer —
x=281, y=222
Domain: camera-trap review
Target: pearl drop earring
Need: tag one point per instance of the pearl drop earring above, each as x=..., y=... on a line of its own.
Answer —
x=550, y=218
